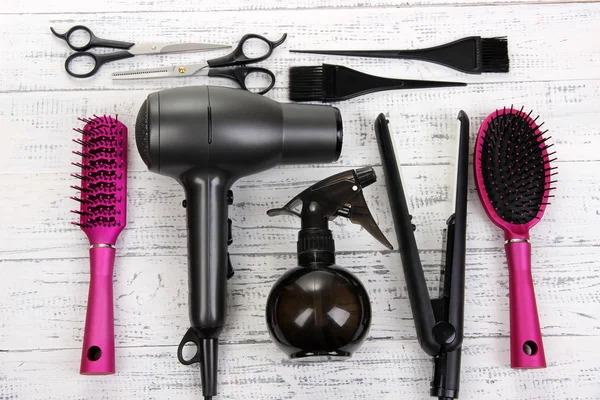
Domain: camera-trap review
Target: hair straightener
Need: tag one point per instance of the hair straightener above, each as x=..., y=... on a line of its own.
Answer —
x=438, y=322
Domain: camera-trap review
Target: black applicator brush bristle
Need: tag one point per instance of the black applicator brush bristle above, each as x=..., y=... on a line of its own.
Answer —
x=306, y=83
x=494, y=54
x=329, y=82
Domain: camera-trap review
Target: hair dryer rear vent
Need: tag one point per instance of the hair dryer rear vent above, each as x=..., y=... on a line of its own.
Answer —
x=141, y=133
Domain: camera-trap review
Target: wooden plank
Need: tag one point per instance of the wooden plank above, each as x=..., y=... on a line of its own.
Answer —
x=386, y=369
x=117, y=6
x=44, y=263
x=423, y=122
x=151, y=303
x=36, y=63
x=156, y=219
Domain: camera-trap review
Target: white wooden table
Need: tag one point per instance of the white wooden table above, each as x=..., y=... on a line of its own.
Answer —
x=555, y=70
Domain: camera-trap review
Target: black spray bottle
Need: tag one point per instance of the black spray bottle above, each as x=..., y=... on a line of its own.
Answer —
x=318, y=310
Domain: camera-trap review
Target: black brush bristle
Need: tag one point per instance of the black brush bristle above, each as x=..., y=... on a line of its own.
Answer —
x=515, y=163
x=306, y=84
x=494, y=54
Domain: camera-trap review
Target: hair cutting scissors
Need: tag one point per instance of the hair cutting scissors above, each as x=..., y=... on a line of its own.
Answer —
x=237, y=58
x=129, y=49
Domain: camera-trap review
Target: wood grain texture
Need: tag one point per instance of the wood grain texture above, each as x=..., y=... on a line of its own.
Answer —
x=118, y=6
x=151, y=296
x=156, y=219
x=555, y=60
x=382, y=369
x=422, y=122
x=550, y=42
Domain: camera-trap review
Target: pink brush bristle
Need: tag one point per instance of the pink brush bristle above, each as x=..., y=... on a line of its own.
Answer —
x=103, y=176
x=102, y=195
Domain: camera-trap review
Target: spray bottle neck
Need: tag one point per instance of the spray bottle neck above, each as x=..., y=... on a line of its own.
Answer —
x=315, y=241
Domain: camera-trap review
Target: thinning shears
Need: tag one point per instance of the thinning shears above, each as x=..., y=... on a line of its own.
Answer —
x=237, y=58
x=129, y=49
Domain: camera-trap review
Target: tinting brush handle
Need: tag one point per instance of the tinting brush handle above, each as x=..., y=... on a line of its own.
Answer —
x=460, y=54
x=526, y=347
x=98, y=354
x=419, y=54
x=349, y=83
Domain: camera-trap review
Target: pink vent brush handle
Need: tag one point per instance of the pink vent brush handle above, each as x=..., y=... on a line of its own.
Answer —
x=98, y=354
x=526, y=347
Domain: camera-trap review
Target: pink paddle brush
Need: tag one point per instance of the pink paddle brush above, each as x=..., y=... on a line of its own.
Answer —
x=513, y=178
x=103, y=200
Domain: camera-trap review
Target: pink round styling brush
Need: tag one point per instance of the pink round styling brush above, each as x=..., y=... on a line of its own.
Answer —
x=102, y=195
x=513, y=178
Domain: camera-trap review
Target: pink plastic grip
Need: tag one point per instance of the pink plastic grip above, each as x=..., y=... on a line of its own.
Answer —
x=98, y=353
x=526, y=347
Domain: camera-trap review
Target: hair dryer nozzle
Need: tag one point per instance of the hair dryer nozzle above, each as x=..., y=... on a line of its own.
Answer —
x=241, y=133
x=307, y=134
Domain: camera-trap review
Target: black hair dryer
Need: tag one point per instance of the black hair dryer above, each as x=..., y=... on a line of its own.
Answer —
x=208, y=137
x=318, y=310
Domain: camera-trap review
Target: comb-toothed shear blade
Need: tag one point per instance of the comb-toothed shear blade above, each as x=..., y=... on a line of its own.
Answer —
x=161, y=72
x=163, y=48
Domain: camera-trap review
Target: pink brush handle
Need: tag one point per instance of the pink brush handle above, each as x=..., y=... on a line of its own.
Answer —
x=98, y=353
x=525, y=333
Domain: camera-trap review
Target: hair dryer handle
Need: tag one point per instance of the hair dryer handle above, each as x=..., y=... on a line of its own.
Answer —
x=207, y=226
x=207, y=250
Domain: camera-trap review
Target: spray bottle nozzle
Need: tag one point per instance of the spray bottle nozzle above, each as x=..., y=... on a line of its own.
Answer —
x=366, y=176
x=339, y=195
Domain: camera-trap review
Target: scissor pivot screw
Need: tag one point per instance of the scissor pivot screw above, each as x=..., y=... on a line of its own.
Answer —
x=181, y=70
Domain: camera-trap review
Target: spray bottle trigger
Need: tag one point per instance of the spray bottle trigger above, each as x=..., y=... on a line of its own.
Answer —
x=340, y=195
x=360, y=214
x=274, y=212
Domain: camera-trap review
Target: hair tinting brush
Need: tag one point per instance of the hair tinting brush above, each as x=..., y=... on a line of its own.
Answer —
x=514, y=179
x=102, y=195
x=472, y=55
x=335, y=83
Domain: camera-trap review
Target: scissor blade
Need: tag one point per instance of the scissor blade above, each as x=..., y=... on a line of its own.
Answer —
x=162, y=48
x=165, y=72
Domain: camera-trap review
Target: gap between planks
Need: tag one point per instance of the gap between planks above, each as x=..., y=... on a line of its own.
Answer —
x=360, y=6
x=316, y=166
x=477, y=250
x=408, y=339
x=276, y=89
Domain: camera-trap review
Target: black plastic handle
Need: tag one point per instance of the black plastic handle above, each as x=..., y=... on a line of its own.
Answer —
x=418, y=293
x=237, y=56
x=461, y=55
x=455, y=291
x=207, y=225
x=99, y=60
x=240, y=74
x=446, y=375
x=346, y=83
x=93, y=42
